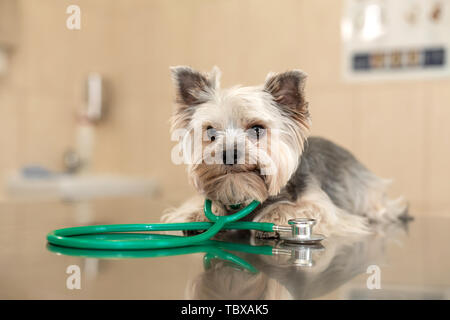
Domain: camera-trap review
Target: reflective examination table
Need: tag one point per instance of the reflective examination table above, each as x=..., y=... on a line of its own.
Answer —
x=403, y=261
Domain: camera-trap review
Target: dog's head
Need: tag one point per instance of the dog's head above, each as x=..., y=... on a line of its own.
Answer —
x=241, y=143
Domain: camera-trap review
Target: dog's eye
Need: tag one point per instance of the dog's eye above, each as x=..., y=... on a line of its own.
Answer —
x=211, y=133
x=257, y=131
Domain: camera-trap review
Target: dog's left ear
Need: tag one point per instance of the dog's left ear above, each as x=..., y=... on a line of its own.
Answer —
x=287, y=89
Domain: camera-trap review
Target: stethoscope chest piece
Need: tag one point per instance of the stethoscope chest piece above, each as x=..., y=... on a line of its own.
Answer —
x=301, y=232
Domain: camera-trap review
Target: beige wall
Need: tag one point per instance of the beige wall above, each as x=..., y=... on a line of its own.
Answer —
x=398, y=129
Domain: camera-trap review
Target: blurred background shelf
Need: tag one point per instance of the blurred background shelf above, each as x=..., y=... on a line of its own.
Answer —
x=76, y=188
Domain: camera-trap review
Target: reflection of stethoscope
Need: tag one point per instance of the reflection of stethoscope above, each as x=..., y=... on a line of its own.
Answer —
x=87, y=237
x=299, y=255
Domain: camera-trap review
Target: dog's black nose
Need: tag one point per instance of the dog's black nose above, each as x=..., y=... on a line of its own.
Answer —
x=231, y=157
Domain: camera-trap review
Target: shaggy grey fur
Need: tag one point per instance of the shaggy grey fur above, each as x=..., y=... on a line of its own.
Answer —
x=339, y=174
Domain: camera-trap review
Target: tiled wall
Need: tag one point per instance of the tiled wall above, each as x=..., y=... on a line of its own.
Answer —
x=398, y=129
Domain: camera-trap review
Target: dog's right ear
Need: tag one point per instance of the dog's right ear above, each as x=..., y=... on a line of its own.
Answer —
x=192, y=87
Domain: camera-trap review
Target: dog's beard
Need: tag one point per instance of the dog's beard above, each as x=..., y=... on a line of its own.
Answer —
x=257, y=179
x=237, y=184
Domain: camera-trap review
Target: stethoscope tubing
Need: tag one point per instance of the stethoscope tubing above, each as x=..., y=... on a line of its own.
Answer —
x=69, y=237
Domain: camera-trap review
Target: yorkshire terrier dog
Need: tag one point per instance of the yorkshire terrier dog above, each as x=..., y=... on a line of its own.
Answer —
x=252, y=143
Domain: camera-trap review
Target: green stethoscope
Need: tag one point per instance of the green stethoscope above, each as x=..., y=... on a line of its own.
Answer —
x=89, y=237
x=296, y=255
